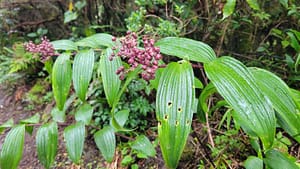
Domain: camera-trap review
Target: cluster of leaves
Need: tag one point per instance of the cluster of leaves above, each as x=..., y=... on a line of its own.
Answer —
x=248, y=91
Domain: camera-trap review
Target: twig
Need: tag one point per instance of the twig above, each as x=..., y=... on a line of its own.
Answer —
x=33, y=23
x=222, y=37
x=210, y=138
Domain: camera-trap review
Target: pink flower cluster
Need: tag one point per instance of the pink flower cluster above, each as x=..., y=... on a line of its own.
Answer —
x=129, y=51
x=45, y=48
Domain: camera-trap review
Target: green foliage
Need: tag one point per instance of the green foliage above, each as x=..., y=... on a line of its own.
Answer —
x=82, y=72
x=61, y=79
x=249, y=93
x=84, y=114
x=46, y=141
x=143, y=145
x=74, y=136
x=238, y=86
x=22, y=60
x=174, y=110
x=12, y=148
x=110, y=80
x=280, y=97
x=106, y=142
x=186, y=49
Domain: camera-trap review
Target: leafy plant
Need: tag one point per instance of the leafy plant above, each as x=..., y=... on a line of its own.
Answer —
x=256, y=98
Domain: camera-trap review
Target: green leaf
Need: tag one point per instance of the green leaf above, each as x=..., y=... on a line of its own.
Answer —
x=238, y=87
x=12, y=148
x=9, y=123
x=297, y=62
x=174, y=109
x=121, y=117
x=294, y=42
x=106, y=142
x=186, y=49
x=154, y=83
x=228, y=8
x=84, y=114
x=58, y=115
x=279, y=94
x=110, y=80
x=296, y=96
x=253, y=162
x=275, y=160
x=31, y=120
x=74, y=138
x=64, y=45
x=82, y=72
x=284, y=3
x=253, y=4
x=97, y=41
x=70, y=16
x=198, y=84
x=143, y=145
x=46, y=143
x=61, y=79
x=202, y=101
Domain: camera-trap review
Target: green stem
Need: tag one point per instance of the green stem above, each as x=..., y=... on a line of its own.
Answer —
x=130, y=77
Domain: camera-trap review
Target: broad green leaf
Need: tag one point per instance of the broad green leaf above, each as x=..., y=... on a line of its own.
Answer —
x=74, y=138
x=84, y=113
x=61, y=79
x=82, y=72
x=46, y=144
x=253, y=162
x=121, y=117
x=58, y=115
x=110, y=80
x=228, y=8
x=238, y=87
x=275, y=160
x=253, y=4
x=186, y=49
x=12, y=148
x=279, y=94
x=142, y=144
x=64, y=45
x=174, y=109
x=97, y=41
x=106, y=142
x=7, y=124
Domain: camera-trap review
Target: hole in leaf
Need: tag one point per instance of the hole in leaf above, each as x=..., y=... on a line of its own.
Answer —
x=166, y=117
x=187, y=122
x=176, y=123
x=179, y=109
x=169, y=103
x=159, y=123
